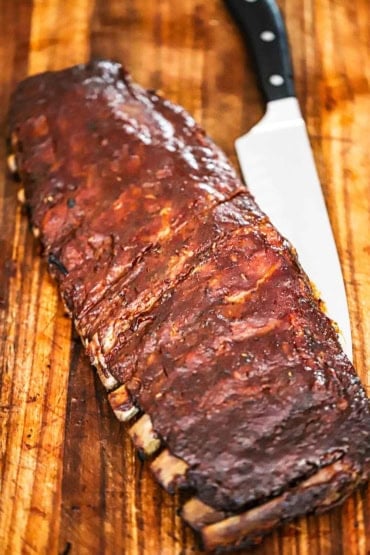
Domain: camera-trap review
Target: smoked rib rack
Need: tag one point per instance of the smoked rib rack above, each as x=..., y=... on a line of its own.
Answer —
x=193, y=309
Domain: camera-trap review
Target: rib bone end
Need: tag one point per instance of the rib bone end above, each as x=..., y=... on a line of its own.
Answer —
x=144, y=437
x=121, y=403
x=197, y=514
x=12, y=164
x=108, y=381
x=170, y=471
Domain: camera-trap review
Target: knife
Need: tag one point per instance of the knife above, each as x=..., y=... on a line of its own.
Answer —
x=277, y=163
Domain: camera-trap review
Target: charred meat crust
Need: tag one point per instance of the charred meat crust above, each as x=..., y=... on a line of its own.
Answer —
x=193, y=308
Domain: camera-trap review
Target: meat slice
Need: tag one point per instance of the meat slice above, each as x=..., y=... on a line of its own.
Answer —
x=191, y=305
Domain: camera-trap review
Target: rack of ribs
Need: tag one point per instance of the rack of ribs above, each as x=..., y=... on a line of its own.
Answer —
x=200, y=321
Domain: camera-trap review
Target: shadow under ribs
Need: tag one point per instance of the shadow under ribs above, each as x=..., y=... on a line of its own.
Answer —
x=192, y=307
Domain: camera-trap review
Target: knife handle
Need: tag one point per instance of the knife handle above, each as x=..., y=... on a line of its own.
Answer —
x=263, y=28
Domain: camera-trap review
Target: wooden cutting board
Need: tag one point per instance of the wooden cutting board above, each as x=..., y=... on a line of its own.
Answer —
x=70, y=480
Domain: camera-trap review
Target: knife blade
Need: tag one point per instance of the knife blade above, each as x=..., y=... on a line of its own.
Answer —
x=277, y=162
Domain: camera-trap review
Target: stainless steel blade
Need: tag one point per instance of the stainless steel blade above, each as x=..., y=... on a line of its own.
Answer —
x=278, y=166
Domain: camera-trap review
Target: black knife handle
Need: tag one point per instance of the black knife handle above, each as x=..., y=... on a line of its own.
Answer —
x=263, y=28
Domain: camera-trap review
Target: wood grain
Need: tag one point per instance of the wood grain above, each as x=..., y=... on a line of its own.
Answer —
x=70, y=480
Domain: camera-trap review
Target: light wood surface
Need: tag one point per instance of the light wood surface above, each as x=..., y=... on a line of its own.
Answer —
x=70, y=480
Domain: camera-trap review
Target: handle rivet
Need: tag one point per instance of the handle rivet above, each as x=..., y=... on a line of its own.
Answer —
x=276, y=80
x=267, y=36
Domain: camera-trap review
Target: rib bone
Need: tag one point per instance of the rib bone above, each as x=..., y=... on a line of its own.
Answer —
x=108, y=381
x=122, y=405
x=21, y=196
x=320, y=491
x=198, y=514
x=144, y=437
x=12, y=164
x=170, y=471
